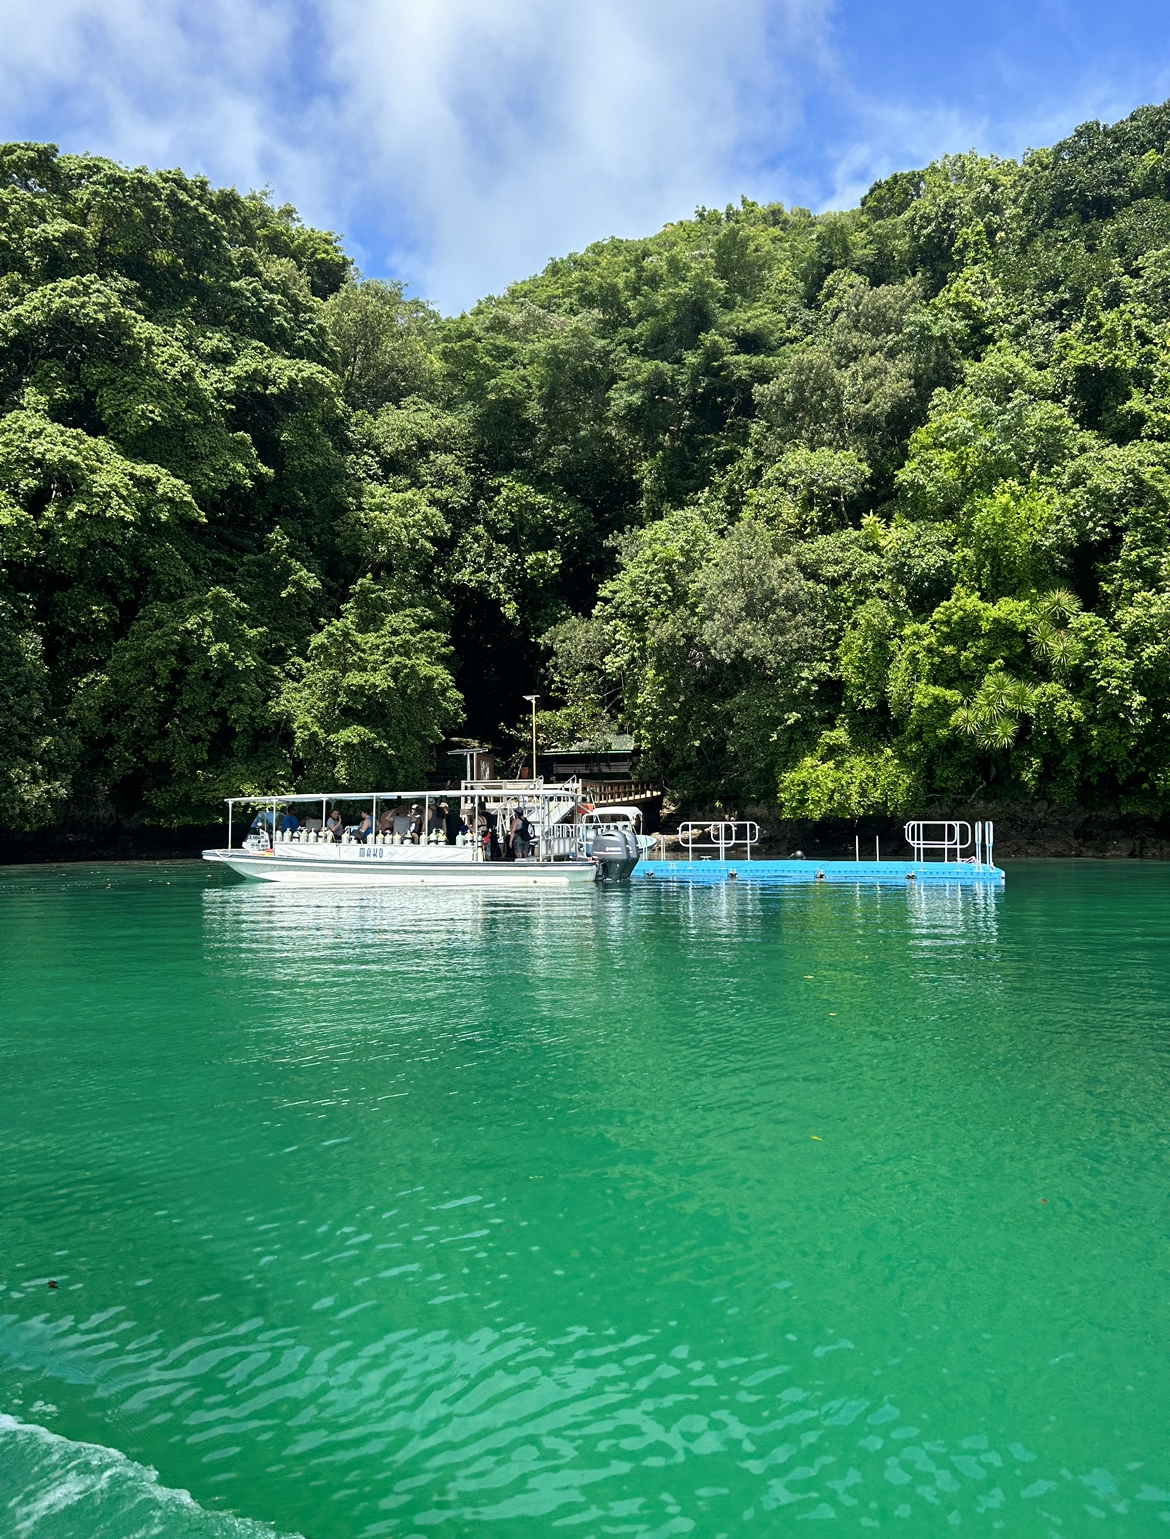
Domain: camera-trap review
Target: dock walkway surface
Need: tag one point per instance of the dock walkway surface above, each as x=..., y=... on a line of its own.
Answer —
x=891, y=872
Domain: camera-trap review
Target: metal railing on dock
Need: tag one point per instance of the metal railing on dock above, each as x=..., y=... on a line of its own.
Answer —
x=951, y=835
x=719, y=836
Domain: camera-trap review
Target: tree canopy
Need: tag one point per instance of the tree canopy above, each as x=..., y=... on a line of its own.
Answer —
x=852, y=510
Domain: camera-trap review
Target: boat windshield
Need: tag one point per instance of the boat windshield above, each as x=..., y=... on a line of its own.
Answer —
x=614, y=815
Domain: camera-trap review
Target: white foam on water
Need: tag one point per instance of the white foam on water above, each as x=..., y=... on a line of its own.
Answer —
x=53, y=1488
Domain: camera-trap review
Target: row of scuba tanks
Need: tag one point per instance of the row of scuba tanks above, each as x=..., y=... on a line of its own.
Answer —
x=615, y=850
x=311, y=836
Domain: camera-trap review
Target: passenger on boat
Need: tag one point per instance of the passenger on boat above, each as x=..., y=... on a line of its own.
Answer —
x=386, y=821
x=452, y=822
x=521, y=835
x=416, y=822
x=333, y=825
x=490, y=839
x=438, y=821
x=401, y=822
x=364, y=827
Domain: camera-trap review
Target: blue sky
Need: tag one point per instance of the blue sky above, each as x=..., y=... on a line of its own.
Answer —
x=458, y=144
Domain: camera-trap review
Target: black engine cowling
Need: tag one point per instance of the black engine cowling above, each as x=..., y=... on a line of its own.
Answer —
x=616, y=852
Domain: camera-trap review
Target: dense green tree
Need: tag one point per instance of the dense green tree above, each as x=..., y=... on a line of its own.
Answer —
x=177, y=488
x=373, y=696
x=859, y=510
x=958, y=442
x=380, y=341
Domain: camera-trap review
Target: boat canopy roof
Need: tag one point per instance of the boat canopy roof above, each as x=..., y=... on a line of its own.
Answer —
x=483, y=789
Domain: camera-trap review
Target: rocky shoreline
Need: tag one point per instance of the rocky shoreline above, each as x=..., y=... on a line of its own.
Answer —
x=1023, y=830
x=109, y=841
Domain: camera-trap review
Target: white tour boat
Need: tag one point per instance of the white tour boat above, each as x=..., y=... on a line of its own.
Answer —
x=410, y=841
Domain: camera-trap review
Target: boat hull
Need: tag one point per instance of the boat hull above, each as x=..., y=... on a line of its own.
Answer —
x=362, y=866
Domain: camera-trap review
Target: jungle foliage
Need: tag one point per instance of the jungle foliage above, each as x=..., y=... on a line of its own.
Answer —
x=858, y=510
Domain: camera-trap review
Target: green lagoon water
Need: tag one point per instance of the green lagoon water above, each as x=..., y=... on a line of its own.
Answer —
x=642, y=1212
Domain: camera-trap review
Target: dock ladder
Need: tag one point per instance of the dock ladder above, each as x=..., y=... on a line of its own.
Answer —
x=718, y=836
x=952, y=838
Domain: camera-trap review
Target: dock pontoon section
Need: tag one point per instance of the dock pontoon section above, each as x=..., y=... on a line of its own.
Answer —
x=946, y=839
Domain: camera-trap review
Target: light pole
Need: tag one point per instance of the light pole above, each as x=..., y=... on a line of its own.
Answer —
x=533, y=699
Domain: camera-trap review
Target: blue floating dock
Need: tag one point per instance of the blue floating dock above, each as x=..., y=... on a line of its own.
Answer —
x=894, y=873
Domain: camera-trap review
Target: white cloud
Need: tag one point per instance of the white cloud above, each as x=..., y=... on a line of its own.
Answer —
x=148, y=83
x=461, y=143
x=517, y=131
x=469, y=140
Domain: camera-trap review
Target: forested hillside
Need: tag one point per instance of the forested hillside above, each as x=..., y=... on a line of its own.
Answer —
x=857, y=511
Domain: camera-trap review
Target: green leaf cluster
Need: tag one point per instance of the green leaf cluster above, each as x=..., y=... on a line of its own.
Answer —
x=180, y=486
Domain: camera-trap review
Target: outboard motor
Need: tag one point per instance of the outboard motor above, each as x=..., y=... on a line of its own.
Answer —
x=616, y=852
